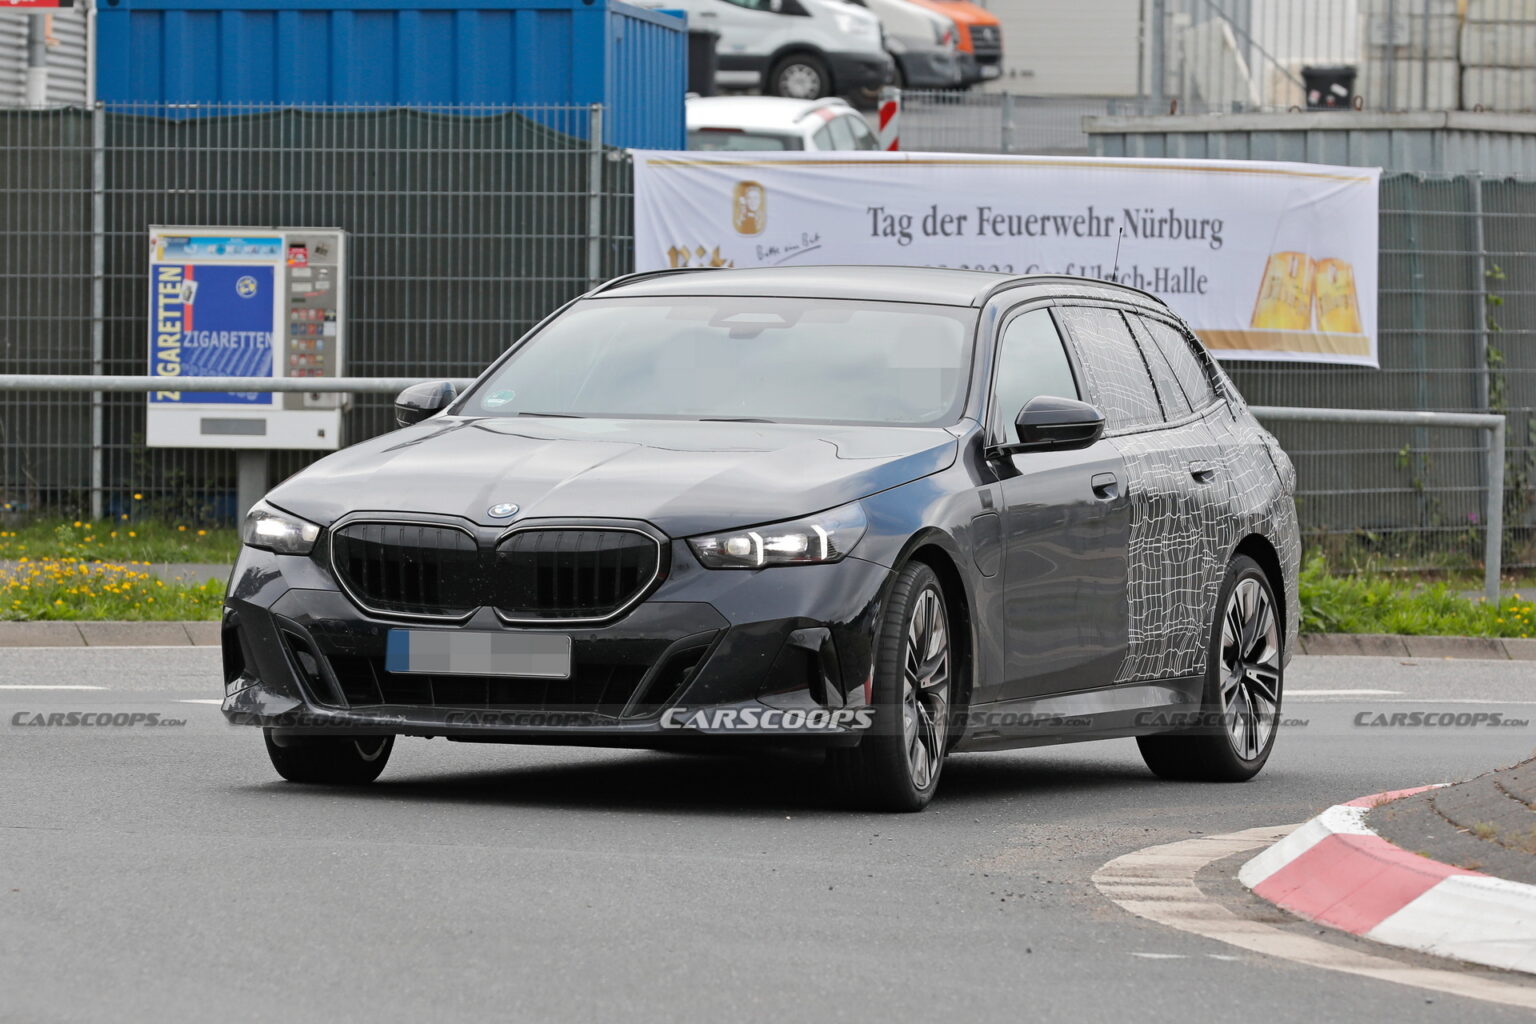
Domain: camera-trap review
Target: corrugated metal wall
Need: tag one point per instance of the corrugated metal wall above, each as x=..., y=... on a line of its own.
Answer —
x=1430, y=143
x=66, y=58
x=413, y=53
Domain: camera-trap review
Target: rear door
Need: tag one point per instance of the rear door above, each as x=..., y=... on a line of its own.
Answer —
x=1064, y=523
x=1176, y=487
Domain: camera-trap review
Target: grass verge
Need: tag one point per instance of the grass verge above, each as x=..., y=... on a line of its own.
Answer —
x=68, y=588
x=122, y=541
x=1376, y=604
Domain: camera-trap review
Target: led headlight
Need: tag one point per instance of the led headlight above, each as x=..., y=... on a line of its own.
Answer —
x=274, y=530
x=824, y=537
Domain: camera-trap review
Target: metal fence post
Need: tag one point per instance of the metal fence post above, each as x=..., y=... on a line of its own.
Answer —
x=1007, y=122
x=1157, y=39
x=1480, y=314
x=98, y=304
x=1493, y=554
x=250, y=481
x=595, y=195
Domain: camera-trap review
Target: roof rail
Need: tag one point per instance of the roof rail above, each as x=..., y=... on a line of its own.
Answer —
x=638, y=275
x=1025, y=279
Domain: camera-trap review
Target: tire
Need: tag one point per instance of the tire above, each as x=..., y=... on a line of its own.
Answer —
x=896, y=765
x=1240, y=711
x=329, y=760
x=800, y=76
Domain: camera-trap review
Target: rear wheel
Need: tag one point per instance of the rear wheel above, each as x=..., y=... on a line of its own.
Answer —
x=800, y=76
x=1243, y=682
x=329, y=760
x=897, y=764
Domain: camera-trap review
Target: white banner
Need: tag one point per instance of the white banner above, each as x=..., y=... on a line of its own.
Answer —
x=1264, y=260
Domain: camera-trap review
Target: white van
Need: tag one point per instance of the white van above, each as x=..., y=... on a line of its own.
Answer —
x=923, y=42
x=803, y=49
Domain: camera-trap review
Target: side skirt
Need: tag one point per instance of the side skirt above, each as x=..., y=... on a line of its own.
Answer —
x=1129, y=709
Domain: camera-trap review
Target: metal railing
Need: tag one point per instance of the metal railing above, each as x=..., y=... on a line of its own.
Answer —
x=1493, y=462
x=252, y=470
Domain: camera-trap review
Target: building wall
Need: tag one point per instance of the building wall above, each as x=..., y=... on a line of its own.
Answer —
x=66, y=59
x=1083, y=48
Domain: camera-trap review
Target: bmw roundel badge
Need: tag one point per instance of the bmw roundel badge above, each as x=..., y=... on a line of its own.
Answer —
x=504, y=511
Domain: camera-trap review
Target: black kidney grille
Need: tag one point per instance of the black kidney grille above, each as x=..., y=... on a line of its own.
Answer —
x=409, y=568
x=571, y=574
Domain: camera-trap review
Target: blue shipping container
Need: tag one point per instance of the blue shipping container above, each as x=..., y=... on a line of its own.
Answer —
x=410, y=53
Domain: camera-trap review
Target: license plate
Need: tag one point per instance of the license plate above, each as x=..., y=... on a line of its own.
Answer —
x=469, y=653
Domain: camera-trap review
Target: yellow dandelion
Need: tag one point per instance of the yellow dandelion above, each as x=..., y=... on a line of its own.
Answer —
x=202, y=533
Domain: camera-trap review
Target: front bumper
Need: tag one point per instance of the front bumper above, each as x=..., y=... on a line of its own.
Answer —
x=860, y=70
x=930, y=69
x=300, y=655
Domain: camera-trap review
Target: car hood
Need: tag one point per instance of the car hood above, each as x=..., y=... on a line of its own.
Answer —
x=685, y=477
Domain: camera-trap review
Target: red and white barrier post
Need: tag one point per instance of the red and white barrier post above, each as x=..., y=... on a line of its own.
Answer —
x=889, y=132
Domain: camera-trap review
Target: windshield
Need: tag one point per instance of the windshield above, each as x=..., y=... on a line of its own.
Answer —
x=726, y=139
x=771, y=359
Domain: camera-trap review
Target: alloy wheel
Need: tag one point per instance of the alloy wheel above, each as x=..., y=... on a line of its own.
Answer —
x=925, y=687
x=800, y=82
x=1250, y=668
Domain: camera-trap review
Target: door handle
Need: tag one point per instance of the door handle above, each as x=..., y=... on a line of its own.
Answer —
x=1105, y=486
x=1203, y=472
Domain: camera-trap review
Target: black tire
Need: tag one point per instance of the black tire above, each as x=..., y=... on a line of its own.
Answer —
x=800, y=76
x=329, y=760
x=1212, y=751
x=880, y=773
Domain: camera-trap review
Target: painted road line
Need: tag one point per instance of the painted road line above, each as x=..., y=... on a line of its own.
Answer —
x=22, y=686
x=1343, y=693
x=1158, y=883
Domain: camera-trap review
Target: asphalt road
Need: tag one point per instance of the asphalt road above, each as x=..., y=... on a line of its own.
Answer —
x=165, y=874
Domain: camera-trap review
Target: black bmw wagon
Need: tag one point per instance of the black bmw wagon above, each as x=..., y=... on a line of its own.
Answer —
x=888, y=513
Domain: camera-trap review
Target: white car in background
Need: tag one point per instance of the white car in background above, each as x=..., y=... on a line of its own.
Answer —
x=770, y=122
x=923, y=43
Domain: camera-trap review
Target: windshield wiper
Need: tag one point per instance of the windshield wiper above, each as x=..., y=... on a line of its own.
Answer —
x=734, y=419
x=561, y=415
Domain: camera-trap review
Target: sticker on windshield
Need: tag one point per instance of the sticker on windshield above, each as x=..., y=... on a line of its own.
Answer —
x=497, y=399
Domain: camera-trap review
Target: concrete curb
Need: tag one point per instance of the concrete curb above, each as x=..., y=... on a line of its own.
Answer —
x=1391, y=645
x=109, y=634
x=1337, y=871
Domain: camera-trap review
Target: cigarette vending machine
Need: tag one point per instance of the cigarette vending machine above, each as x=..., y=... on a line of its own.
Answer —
x=246, y=302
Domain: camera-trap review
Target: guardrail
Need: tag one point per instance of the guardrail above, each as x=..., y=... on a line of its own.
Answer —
x=252, y=476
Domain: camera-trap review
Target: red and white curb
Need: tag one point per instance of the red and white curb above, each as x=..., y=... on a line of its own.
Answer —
x=1336, y=871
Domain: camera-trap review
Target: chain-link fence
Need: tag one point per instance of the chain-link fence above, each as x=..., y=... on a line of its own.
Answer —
x=467, y=226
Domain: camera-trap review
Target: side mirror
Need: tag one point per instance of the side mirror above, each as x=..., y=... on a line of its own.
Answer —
x=1049, y=423
x=419, y=401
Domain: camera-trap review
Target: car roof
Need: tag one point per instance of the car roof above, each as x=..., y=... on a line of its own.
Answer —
x=933, y=285
x=772, y=113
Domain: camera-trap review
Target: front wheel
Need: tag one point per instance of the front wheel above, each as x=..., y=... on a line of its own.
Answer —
x=1243, y=681
x=896, y=766
x=800, y=76
x=328, y=760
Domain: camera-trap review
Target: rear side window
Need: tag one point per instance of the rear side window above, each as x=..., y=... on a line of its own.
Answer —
x=823, y=138
x=1187, y=365
x=1117, y=378
x=842, y=135
x=1169, y=390
x=863, y=138
x=1030, y=362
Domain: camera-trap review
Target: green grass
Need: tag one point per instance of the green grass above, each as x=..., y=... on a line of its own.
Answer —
x=1377, y=604
x=121, y=541
x=69, y=588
